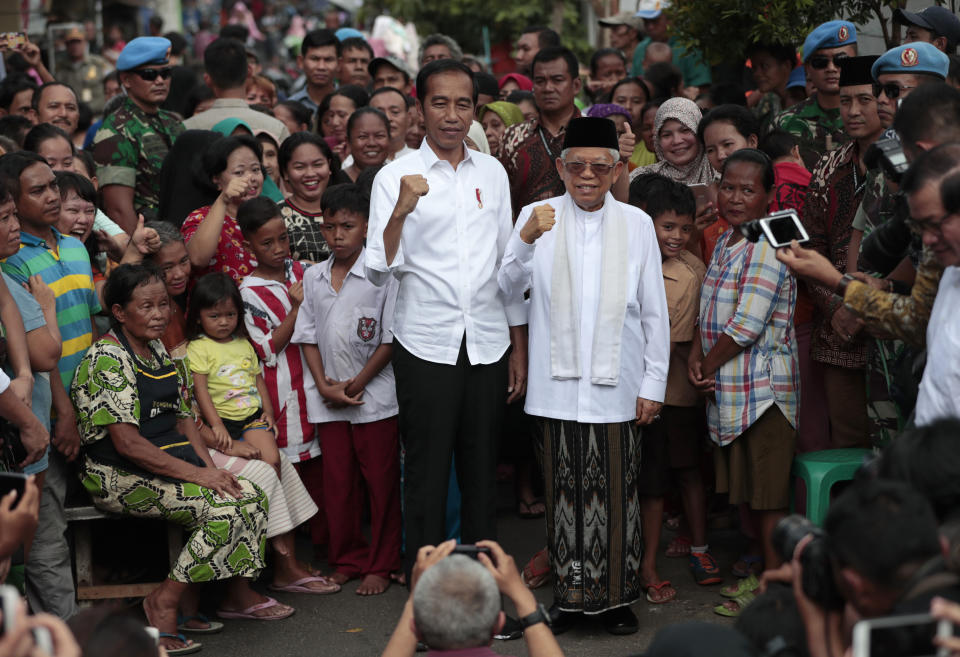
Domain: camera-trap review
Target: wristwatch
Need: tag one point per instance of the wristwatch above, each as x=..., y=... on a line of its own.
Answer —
x=841, y=288
x=541, y=615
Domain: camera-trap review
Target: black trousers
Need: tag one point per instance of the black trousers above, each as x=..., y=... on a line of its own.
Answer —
x=448, y=410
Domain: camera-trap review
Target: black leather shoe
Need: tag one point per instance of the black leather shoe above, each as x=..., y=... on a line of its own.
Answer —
x=560, y=620
x=511, y=630
x=619, y=621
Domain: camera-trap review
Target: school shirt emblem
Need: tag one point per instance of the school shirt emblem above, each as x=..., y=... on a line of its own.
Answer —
x=366, y=328
x=843, y=34
x=909, y=57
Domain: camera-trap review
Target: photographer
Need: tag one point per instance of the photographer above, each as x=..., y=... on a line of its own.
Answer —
x=454, y=605
x=927, y=118
x=880, y=556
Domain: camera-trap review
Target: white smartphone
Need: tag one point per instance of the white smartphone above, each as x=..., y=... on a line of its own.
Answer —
x=900, y=636
x=783, y=227
x=10, y=605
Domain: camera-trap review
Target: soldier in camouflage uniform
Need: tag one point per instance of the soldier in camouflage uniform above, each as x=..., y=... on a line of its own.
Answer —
x=130, y=146
x=816, y=121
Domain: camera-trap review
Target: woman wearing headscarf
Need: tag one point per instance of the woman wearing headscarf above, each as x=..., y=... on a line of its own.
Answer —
x=495, y=118
x=232, y=126
x=681, y=155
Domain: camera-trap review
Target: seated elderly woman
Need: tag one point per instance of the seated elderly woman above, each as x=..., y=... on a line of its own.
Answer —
x=142, y=456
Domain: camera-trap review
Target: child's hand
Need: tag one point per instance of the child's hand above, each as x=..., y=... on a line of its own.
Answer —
x=353, y=389
x=41, y=292
x=296, y=294
x=244, y=450
x=335, y=396
x=271, y=423
x=224, y=441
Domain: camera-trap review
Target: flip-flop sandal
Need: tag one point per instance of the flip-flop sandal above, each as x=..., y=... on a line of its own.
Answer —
x=672, y=522
x=745, y=585
x=534, y=577
x=741, y=600
x=523, y=510
x=753, y=563
x=679, y=547
x=249, y=612
x=298, y=586
x=213, y=627
x=657, y=587
x=189, y=647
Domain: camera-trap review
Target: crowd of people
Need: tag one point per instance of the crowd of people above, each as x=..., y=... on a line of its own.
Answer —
x=350, y=305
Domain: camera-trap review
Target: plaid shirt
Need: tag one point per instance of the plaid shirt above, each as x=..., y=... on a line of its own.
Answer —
x=750, y=296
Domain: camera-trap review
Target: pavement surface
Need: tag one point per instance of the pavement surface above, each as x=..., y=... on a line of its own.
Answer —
x=348, y=625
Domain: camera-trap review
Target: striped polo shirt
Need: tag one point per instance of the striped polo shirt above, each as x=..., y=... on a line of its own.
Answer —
x=67, y=271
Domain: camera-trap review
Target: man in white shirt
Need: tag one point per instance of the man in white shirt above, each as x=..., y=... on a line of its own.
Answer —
x=932, y=186
x=440, y=219
x=599, y=353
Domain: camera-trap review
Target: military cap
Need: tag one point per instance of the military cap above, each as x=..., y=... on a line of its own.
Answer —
x=345, y=33
x=832, y=34
x=798, y=78
x=917, y=57
x=144, y=50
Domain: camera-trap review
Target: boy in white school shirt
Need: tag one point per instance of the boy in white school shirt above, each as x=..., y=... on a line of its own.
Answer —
x=344, y=327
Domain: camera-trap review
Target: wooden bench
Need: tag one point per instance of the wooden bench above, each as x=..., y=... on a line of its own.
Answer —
x=79, y=519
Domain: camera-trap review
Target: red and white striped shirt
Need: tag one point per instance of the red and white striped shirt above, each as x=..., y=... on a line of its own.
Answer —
x=285, y=371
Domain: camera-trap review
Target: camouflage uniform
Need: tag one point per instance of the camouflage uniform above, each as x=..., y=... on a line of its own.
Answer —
x=129, y=149
x=818, y=130
x=767, y=111
x=86, y=78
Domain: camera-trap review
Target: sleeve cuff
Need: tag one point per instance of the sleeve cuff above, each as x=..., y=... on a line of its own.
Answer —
x=114, y=175
x=523, y=251
x=518, y=314
x=652, y=389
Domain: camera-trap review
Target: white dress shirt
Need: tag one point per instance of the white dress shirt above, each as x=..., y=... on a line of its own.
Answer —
x=347, y=326
x=448, y=257
x=645, y=346
x=939, y=394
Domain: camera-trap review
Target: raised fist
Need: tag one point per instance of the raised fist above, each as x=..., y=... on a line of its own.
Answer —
x=541, y=220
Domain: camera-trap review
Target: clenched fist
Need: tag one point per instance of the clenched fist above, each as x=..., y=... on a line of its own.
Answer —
x=412, y=187
x=541, y=220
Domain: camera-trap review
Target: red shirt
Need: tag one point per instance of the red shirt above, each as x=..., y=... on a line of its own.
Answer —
x=230, y=256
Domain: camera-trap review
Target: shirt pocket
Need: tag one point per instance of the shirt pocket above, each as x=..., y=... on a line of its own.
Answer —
x=365, y=333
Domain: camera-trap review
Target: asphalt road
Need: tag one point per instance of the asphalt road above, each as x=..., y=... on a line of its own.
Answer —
x=347, y=625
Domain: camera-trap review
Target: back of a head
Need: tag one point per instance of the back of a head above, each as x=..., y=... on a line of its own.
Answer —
x=184, y=186
x=106, y=633
x=698, y=639
x=778, y=143
x=225, y=61
x=665, y=78
x=927, y=458
x=235, y=31
x=772, y=623
x=456, y=604
x=931, y=113
x=15, y=127
x=940, y=164
x=878, y=527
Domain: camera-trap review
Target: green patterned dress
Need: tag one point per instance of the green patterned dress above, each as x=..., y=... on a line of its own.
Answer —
x=228, y=535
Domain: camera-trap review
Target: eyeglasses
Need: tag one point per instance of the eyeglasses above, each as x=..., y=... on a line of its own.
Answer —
x=151, y=74
x=821, y=62
x=935, y=227
x=598, y=168
x=891, y=89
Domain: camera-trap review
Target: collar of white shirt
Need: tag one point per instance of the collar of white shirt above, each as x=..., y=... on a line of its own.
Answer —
x=431, y=159
x=357, y=269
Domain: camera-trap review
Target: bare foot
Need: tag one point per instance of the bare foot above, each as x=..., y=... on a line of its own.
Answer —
x=373, y=585
x=399, y=577
x=341, y=578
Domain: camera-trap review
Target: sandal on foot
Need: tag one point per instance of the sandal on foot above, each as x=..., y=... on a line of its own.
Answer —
x=297, y=586
x=213, y=627
x=667, y=597
x=526, y=510
x=679, y=547
x=533, y=576
x=752, y=564
x=745, y=585
x=741, y=601
x=250, y=612
x=189, y=647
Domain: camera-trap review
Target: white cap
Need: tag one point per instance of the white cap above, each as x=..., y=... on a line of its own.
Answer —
x=651, y=9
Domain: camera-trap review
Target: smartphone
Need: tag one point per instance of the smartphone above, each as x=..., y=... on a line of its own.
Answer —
x=42, y=640
x=900, y=636
x=13, y=481
x=10, y=605
x=13, y=39
x=472, y=550
x=783, y=227
x=701, y=192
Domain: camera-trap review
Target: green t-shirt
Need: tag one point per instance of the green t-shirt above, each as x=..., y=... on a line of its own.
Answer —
x=690, y=62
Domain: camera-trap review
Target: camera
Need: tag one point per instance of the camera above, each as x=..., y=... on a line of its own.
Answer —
x=818, y=582
x=890, y=242
x=888, y=156
x=780, y=228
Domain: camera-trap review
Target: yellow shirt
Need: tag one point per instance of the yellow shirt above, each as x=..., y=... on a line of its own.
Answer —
x=231, y=369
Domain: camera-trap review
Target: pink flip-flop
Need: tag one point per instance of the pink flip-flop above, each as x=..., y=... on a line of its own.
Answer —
x=248, y=613
x=298, y=586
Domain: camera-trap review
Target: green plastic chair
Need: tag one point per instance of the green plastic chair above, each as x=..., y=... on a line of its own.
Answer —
x=820, y=471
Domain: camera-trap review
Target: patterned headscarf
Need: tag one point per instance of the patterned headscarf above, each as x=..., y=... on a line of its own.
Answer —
x=605, y=110
x=508, y=112
x=698, y=170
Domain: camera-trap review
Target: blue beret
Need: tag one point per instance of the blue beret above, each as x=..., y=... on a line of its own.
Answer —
x=798, y=78
x=345, y=33
x=143, y=50
x=912, y=58
x=831, y=34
